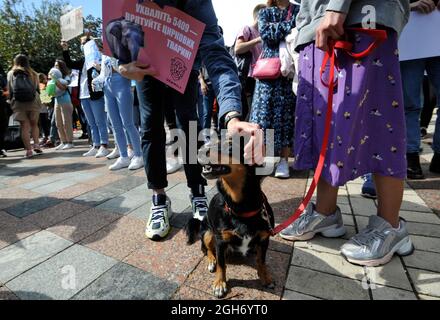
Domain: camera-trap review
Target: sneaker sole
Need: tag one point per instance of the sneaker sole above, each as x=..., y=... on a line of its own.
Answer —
x=368, y=196
x=157, y=238
x=329, y=232
x=404, y=248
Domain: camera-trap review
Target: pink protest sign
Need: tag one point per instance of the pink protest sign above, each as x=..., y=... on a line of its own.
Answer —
x=166, y=38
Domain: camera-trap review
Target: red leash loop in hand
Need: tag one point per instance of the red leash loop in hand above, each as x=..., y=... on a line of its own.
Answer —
x=330, y=56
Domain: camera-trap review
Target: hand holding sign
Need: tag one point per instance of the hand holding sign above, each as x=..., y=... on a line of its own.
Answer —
x=137, y=71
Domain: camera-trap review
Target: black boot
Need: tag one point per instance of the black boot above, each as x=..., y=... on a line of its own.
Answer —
x=435, y=164
x=414, y=171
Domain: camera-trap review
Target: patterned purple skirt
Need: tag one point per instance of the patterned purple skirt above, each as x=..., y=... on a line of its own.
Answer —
x=368, y=132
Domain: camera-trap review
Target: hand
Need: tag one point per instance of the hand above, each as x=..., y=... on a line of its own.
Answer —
x=204, y=88
x=137, y=71
x=64, y=45
x=423, y=6
x=254, y=151
x=97, y=66
x=331, y=27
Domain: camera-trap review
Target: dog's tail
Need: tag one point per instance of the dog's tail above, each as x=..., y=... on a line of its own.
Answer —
x=193, y=230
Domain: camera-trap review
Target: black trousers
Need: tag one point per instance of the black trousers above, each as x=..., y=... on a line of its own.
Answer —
x=4, y=123
x=429, y=103
x=154, y=99
x=45, y=124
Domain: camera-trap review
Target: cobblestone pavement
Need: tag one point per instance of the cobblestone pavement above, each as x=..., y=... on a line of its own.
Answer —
x=70, y=229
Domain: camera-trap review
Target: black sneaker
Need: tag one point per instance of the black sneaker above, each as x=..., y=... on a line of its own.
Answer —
x=414, y=171
x=423, y=132
x=435, y=164
x=199, y=207
x=3, y=154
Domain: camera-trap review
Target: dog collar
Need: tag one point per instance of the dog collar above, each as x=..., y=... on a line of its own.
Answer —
x=249, y=214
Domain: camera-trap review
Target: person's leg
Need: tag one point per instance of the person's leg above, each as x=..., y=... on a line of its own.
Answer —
x=428, y=106
x=389, y=198
x=113, y=112
x=125, y=103
x=412, y=80
x=433, y=69
x=151, y=106
x=98, y=109
x=60, y=123
x=186, y=113
x=54, y=137
x=35, y=130
x=67, y=112
x=25, y=134
x=87, y=107
x=326, y=199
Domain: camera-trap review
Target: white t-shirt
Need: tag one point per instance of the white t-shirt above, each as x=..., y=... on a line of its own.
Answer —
x=84, y=85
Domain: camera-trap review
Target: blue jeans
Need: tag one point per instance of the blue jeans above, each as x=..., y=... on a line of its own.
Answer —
x=119, y=101
x=205, y=106
x=412, y=78
x=97, y=120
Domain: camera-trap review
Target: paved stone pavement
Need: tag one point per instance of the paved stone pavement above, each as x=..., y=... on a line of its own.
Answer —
x=70, y=229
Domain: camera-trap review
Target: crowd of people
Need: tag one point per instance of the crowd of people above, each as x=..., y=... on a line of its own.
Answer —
x=376, y=129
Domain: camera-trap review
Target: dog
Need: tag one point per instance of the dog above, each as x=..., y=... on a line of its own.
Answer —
x=239, y=218
x=125, y=39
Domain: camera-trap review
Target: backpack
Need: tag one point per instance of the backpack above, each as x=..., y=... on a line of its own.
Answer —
x=23, y=90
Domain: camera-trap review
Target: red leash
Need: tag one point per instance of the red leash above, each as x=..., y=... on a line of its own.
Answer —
x=330, y=56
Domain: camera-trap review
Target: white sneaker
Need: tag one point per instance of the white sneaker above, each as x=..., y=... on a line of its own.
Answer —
x=68, y=146
x=130, y=154
x=283, y=171
x=60, y=147
x=136, y=163
x=173, y=165
x=114, y=155
x=91, y=153
x=102, y=153
x=158, y=224
x=121, y=163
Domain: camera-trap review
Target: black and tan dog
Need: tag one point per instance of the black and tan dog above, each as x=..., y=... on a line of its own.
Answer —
x=239, y=218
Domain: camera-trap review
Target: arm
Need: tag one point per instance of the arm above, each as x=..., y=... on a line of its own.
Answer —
x=242, y=46
x=274, y=32
x=78, y=65
x=221, y=68
x=203, y=85
x=424, y=6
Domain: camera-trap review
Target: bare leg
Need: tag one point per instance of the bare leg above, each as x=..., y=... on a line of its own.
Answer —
x=35, y=132
x=285, y=153
x=327, y=198
x=25, y=134
x=389, y=197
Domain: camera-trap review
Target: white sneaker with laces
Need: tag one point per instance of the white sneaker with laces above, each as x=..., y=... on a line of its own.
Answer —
x=60, y=147
x=136, y=163
x=102, y=153
x=283, y=171
x=121, y=163
x=68, y=146
x=114, y=155
x=91, y=153
x=158, y=224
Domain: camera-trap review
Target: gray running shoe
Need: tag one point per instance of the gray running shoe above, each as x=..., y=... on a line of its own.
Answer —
x=377, y=243
x=311, y=223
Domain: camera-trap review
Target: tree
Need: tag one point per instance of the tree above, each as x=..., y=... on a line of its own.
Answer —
x=35, y=31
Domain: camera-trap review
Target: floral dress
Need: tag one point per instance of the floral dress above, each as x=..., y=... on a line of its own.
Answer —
x=274, y=101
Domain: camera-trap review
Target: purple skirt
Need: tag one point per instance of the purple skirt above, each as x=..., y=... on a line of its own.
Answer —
x=368, y=132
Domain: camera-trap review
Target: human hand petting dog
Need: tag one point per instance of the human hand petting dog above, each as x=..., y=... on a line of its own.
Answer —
x=137, y=71
x=331, y=27
x=254, y=151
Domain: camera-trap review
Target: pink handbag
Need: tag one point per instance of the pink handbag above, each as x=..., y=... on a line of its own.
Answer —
x=268, y=68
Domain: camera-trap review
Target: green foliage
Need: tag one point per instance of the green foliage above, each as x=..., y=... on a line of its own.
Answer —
x=35, y=31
